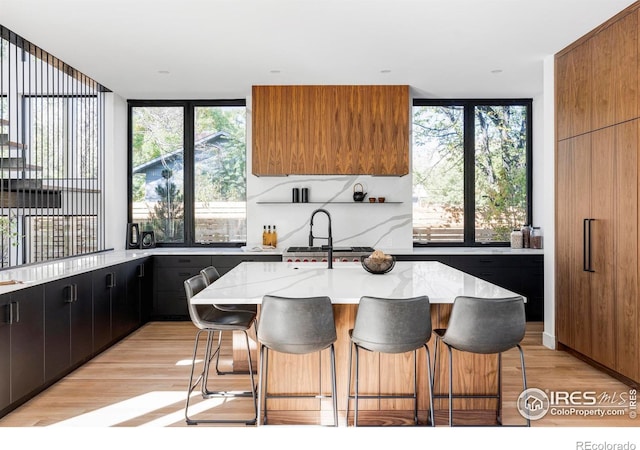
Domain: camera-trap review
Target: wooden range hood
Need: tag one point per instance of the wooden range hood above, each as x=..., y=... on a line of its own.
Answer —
x=328, y=130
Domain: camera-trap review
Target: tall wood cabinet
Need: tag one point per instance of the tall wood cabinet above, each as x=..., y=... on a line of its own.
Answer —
x=597, y=183
x=330, y=130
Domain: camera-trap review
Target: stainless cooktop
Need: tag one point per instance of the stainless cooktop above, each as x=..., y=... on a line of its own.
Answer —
x=318, y=252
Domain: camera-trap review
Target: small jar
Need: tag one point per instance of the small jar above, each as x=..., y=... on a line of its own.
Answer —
x=516, y=239
x=536, y=238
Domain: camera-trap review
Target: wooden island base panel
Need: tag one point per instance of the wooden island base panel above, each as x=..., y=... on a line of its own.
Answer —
x=379, y=373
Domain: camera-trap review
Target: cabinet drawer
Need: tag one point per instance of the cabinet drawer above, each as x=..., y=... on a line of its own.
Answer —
x=199, y=261
x=172, y=278
x=170, y=305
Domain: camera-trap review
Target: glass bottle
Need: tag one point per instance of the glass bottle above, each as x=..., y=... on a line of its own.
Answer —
x=274, y=237
x=264, y=235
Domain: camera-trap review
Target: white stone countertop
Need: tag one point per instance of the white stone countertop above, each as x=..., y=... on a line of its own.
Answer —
x=345, y=283
x=49, y=271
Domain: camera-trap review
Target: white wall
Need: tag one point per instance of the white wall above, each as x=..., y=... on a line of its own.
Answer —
x=546, y=183
x=116, y=174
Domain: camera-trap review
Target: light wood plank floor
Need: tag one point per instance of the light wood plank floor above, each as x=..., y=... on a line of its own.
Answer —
x=142, y=381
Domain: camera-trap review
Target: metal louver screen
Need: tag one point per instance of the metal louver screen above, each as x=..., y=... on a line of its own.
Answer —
x=52, y=141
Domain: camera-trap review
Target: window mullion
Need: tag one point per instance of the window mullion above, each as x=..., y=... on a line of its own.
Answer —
x=469, y=174
x=189, y=162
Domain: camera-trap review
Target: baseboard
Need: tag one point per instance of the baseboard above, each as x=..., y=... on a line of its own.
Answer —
x=549, y=340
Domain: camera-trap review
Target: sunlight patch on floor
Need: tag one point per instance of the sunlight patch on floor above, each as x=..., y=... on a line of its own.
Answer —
x=135, y=407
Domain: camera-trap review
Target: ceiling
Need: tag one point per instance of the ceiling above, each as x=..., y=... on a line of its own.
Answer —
x=186, y=49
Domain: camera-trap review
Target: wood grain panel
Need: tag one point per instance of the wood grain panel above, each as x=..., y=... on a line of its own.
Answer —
x=573, y=91
x=626, y=251
x=603, y=181
x=330, y=130
x=625, y=68
x=615, y=73
x=580, y=295
x=563, y=241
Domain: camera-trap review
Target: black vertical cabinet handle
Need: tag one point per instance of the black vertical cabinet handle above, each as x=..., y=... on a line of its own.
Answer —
x=590, y=266
x=111, y=282
x=585, y=262
x=17, y=316
x=69, y=289
x=8, y=313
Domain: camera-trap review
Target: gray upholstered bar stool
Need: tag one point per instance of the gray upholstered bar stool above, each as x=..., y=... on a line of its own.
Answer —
x=211, y=274
x=296, y=326
x=209, y=320
x=391, y=326
x=483, y=326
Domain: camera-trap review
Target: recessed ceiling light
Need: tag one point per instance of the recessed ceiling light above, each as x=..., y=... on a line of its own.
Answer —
x=274, y=71
x=385, y=71
x=164, y=72
x=496, y=71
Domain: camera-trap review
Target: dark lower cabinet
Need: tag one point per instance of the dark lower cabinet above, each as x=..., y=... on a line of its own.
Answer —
x=21, y=345
x=126, y=303
x=169, y=273
x=522, y=274
x=68, y=324
x=103, y=285
x=119, y=297
x=48, y=330
x=5, y=352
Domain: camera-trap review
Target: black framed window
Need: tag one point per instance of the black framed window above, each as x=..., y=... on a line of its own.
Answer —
x=187, y=164
x=471, y=166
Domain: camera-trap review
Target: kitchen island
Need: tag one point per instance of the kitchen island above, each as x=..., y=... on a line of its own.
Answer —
x=380, y=373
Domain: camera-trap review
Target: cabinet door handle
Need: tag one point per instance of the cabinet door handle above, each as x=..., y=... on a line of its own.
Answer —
x=8, y=313
x=585, y=262
x=111, y=282
x=17, y=315
x=75, y=292
x=590, y=266
x=586, y=246
x=69, y=290
x=141, y=270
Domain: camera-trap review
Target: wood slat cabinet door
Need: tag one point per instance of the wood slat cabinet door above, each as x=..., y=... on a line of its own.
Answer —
x=614, y=73
x=314, y=130
x=573, y=207
x=573, y=91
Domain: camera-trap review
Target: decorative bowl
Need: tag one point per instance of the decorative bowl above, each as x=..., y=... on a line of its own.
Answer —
x=378, y=266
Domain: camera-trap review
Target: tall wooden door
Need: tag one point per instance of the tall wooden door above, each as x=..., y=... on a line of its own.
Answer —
x=573, y=209
x=600, y=246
